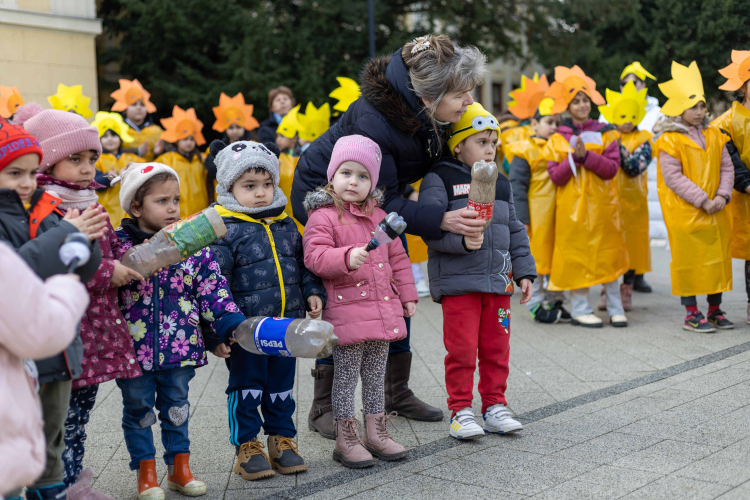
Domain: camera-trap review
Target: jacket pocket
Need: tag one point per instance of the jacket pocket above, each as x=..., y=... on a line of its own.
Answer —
x=394, y=287
x=351, y=292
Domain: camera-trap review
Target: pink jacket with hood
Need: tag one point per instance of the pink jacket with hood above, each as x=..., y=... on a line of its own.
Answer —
x=366, y=303
x=39, y=320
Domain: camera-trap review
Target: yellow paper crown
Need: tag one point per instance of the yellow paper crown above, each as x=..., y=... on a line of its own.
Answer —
x=568, y=82
x=636, y=69
x=526, y=99
x=10, y=100
x=630, y=106
x=234, y=111
x=104, y=121
x=129, y=93
x=346, y=94
x=314, y=122
x=738, y=72
x=474, y=120
x=684, y=90
x=289, y=126
x=71, y=99
x=182, y=124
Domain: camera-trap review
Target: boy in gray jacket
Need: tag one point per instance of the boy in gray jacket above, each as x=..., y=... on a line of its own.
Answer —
x=472, y=277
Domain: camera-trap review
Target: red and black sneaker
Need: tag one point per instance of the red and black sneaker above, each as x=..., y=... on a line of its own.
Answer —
x=696, y=322
x=720, y=321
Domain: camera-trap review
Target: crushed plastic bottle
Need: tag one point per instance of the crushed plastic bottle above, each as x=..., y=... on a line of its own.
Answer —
x=482, y=189
x=176, y=242
x=296, y=338
x=388, y=230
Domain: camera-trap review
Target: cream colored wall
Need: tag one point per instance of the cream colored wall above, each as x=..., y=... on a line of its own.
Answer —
x=47, y=42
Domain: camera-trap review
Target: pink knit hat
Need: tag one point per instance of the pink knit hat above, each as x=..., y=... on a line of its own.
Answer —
x=60, y=133
x=357, y=148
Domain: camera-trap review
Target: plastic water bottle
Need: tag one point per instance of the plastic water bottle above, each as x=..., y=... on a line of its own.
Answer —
x=296, y=338
x=176, y=242
x=388, y=230
x=482, y=190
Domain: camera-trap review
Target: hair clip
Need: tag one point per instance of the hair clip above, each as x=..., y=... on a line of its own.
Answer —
x=421, y=43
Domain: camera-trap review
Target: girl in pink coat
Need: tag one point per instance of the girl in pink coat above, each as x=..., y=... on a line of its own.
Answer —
x=369, y=295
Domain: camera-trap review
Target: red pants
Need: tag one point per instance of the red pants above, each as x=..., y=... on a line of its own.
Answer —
x=476, y=323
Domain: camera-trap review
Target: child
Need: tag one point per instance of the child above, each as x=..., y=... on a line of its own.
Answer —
x=626, y=111
x=369, y=295
x=589, y=245
x=261, y=259
x=183, y=130
x=113, y=133
x=164, y=314
x=524, y=106
x=32, y=223
x=134, y=102
x=280, y=102
x=734, y=122
x=471, y=277
x=695, y=178
x=534, y=201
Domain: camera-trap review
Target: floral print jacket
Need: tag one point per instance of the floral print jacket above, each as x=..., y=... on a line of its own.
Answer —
x=164, y=313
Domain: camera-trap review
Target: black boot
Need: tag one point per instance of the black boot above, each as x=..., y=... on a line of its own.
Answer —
x=398, y=396
x=640, y=285
x=320, y=418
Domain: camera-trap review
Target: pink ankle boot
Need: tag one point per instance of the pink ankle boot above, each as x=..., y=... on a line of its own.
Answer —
x=377, y=439
x=349, y=450
x=82, y=489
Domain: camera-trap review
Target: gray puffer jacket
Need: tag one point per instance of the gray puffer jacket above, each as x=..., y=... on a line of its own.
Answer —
x=504, y=256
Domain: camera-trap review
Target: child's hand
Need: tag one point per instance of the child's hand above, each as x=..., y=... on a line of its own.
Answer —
x=316, y=306
x=159, y=147
x=528, y=229
x=143, y=149
x=709, y=206
x=719, y=203
x=122, y=275
x=410, y=309
x=580, y=148
x=357, y=257
x=474, y=242
x=526, y=289
x=222, y=351
x=92, y=222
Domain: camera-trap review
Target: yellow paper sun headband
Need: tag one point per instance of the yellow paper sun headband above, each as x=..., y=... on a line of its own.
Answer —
x=684, y=90
x=527, y=98
x=475, y=119
x=630, y=106
x=314, y=122
x=234, y=111
x=10, y=100
x=104, y=121
x=636, y=69
x=346, y=94
x=289, y=126
x=738, y=72
x=182, y=124
x=71, y=99
x=129, y=93
x=568, y=83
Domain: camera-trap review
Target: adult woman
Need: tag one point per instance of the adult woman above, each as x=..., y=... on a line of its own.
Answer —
x=280, y=102
x=409, y=99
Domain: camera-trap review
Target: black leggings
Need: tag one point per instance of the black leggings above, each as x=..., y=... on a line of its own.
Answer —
x=714, y=299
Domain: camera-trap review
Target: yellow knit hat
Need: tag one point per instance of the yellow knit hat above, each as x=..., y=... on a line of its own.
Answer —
x=475, y=119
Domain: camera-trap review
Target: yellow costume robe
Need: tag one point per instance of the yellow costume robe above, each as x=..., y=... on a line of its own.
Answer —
x=150, y=134
x=193, y=189
x=110, y=197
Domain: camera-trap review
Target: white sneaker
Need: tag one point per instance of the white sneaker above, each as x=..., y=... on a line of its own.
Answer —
x=498, y=419
x=463, y=425
x=423, y=289
x=587, y=320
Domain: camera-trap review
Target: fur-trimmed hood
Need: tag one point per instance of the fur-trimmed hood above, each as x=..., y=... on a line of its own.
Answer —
x=674, y=124
x=319, y=199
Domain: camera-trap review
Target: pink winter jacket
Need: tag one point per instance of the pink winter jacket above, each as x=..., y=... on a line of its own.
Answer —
x=38, y=320
x=364, y=304
x=604, y=165
x=671, y=169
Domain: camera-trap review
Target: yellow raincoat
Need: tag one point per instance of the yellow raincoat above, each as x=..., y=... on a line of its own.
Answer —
x=589, y=245
x=509, y=136
x=701, y=259
x=736, y=122
x=541, y=198
x=193, y=190
x=633, y=194
x=417, y=246
x=287, y=166
x=150, y=134
x=110, y=197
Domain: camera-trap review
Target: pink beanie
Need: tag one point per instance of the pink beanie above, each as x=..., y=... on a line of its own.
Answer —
x=60, y=133
x=357, y=148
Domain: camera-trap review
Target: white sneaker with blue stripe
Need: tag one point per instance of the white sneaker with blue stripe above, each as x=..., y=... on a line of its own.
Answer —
x=499, y=419
x=463, y=425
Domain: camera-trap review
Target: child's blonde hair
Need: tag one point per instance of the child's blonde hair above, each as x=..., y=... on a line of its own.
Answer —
x=367, y=206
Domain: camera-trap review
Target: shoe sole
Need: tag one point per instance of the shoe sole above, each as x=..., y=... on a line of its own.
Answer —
x=254, y=475
x=386, y=458
x=351, y=465
x=585, y=325
x=619, y=324
x=722, y=327
x=312, y=427
x=462, y=438
x=188, y=492
x=414, y=417
x=697, y=330
x=498, y=431
x=568, y=320
x=289, y=470
x=152, y=494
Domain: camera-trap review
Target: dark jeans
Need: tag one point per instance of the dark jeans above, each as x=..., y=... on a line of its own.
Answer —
x=398, y=346
x=167, y=390
x=713, y=300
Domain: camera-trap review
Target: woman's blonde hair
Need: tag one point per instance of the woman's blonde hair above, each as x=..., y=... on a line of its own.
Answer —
x=367, y=206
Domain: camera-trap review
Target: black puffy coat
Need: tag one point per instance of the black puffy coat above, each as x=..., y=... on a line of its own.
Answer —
x=389, y=113
x=267, y=130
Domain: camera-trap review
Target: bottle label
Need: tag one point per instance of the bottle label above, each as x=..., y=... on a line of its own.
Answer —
x=191, y=234
x=270, y=336
x=485, y=209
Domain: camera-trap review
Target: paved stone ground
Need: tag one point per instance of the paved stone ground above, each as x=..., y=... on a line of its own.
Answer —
x=650, y=411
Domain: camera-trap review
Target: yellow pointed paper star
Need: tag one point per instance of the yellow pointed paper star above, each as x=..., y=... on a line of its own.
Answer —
x=630, y=106
x=346, y=94
x=289, y=126
x=314, y=122
x=684, y=90
x=71, y=99
x=10, y=100
x=636, y=69
x=104, y=121
x=526, y=99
